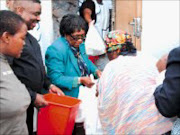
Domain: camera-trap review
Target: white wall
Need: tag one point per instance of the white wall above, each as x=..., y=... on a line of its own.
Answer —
x=46, y=25
x=44, y=32
x=160, y=22
x=3, y=5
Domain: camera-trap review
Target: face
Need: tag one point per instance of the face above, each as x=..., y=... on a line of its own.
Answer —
x=16, y=42
x=113, y=55
x=31, y=14
x=76, y=38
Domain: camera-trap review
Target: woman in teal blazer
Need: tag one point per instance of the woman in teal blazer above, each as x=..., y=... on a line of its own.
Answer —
x=67, y=63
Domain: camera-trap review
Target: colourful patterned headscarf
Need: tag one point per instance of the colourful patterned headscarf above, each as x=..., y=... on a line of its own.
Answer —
x=119, y=40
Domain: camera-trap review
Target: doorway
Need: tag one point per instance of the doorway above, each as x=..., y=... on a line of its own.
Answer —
x=128, y=17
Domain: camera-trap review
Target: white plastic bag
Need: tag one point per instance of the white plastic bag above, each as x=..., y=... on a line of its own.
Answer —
x=88, y=110
x=94, y=44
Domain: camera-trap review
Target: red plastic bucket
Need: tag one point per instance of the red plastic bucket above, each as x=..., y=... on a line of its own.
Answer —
x=58, y=117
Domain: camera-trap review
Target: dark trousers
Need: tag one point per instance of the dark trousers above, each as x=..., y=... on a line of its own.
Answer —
x=29, y=119
x=78, y=129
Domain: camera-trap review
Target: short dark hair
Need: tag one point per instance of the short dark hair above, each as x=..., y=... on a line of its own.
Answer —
x=36, y=1
x=71, y=23
x=10, y=22
x=20, y=3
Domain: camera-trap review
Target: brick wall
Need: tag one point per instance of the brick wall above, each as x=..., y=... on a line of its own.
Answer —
x=60, y=8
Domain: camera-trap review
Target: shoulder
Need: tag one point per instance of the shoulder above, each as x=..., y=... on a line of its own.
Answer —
x=175, y=52
x=30, y=42
x=31, y=37
x=108, y=4
x=174, y=55
x=58, y=47
x=59, y=44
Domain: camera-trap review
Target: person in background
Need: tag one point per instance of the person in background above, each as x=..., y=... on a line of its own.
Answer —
x=67, y=63
x=103, y=13
x=88, y=12
x=29, y=67
x=99, y=11
x=14, y=97
x=167, y=95
x=126, y=103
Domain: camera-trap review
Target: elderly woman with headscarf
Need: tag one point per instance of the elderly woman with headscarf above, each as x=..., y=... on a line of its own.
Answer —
x=118, y=42
x=126, y=104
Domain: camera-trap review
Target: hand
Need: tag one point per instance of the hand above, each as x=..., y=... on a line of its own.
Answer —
x=86, y=81
x=99, y=73
x=91, y=22
x=87, y=15
x=55, y=89
x=162, y=62
x=40, y=101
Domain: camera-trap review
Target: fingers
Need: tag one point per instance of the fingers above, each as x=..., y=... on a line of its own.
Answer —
x=89, y=85
x=56, y=90
x=60, y=93
x=40, y=101
x=87, y=81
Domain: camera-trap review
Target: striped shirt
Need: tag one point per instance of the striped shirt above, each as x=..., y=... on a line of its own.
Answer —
x=126, y=104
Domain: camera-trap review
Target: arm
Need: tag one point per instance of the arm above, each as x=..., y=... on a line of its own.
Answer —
x=167, y=95
x=47, y=82
x=92, y=68
x=162, y=62
x=55, y=62
x=36, y=98
x=32, y=94
x=87, y=15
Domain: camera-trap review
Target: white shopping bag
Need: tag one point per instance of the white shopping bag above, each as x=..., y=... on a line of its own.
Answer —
x=94, y=44
x=89, y=112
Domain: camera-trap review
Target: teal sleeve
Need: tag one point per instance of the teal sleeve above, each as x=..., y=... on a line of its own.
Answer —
x=93, y=68
x=54, y=60
x=75, y=82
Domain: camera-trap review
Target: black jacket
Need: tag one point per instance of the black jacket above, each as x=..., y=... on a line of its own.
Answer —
x=167, y=95
x=29, y=67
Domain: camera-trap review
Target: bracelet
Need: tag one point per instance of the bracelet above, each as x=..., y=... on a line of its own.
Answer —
x=79, y=80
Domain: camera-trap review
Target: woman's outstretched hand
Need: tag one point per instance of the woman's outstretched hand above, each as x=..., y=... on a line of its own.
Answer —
x=86, y=81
